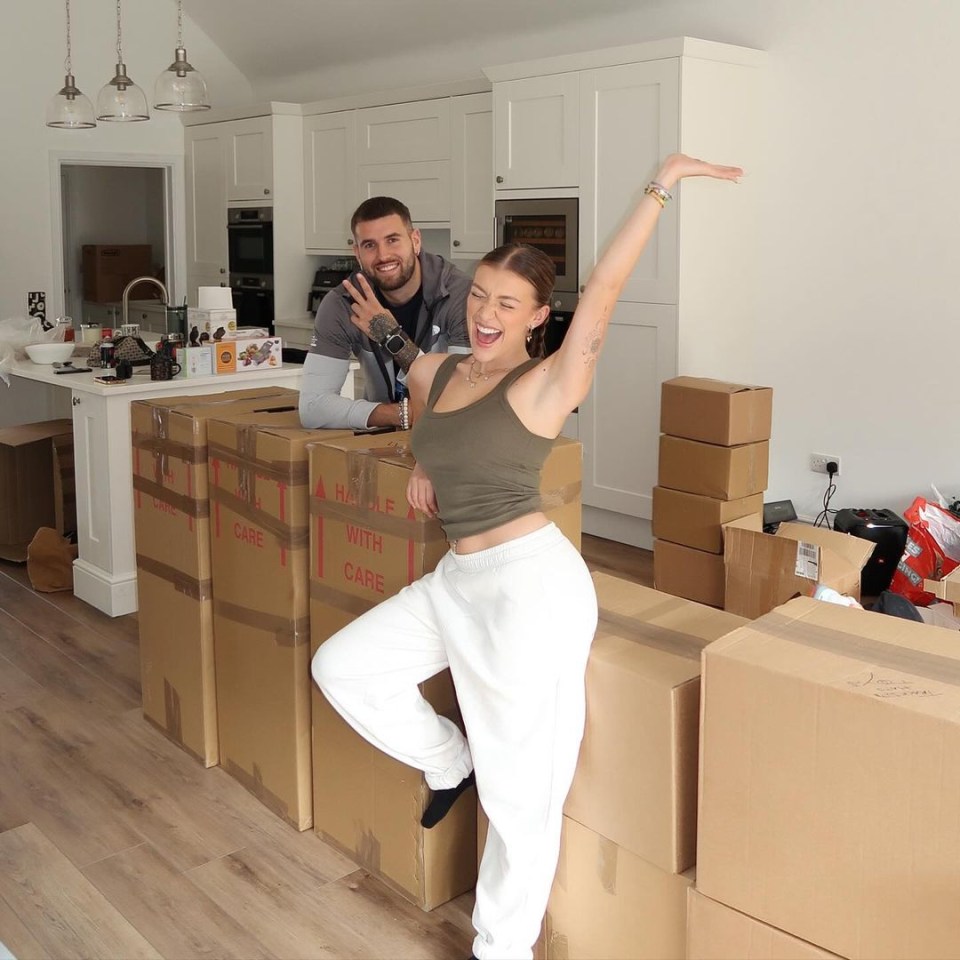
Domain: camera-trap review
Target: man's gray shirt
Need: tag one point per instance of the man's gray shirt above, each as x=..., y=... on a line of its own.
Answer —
x=441, y=328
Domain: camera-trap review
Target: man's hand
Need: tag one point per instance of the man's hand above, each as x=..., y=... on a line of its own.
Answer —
x=365, y=305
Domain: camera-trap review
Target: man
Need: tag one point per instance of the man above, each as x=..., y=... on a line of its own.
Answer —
x=403, y=301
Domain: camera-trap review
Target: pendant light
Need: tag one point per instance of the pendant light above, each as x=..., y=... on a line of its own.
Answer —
x=121, y=99
x=180, y=87
x=70, y=109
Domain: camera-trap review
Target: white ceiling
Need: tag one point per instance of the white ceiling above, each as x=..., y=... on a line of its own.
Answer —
x=281, y=38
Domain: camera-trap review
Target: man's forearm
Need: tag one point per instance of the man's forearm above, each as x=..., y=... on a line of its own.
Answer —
x=384, y=415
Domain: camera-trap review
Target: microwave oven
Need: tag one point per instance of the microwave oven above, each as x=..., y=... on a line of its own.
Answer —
x=550, y=225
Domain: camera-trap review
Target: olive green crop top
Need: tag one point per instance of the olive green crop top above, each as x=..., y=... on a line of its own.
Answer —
x=484, y=464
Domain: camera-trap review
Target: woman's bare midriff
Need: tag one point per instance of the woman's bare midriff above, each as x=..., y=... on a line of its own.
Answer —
x=502, y=534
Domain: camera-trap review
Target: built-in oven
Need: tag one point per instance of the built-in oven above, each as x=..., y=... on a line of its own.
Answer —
x=253, y=300
x=250, y=236
x=550, y=225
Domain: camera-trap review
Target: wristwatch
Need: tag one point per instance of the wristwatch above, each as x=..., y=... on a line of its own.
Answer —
x=394, y=342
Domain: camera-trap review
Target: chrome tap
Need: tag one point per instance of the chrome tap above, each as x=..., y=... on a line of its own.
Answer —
x=131, y=285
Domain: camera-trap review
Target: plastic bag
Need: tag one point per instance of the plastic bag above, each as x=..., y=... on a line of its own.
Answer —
x=932, y=550
x=15, y=334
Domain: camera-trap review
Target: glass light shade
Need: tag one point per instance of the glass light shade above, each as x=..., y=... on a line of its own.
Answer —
x=70, y=109
x=180, y=87
x=121, y=99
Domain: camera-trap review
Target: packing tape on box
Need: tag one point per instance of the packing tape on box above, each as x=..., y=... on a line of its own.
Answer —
x=283, y=471
x=287, y=536
x=196, y=507
x=340, y=599
x=254, y=784
x=930, y=666
x=182, y=582
x=417, y=528
x=652, y=634
x=287, y=631
x=171, y=711
x=607, y=854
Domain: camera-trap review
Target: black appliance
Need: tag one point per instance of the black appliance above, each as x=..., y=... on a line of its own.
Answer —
x=550, y=225
x=557, y=324
x=253, y=301
x=888, y=531
x=324, y=280
x=250, y=240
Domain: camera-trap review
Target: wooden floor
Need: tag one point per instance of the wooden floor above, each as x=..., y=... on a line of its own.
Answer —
x=115, y=844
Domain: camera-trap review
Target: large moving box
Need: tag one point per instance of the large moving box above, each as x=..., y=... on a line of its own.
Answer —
x=763, y=570
x=830, y=779
x=692, y=574
x=259, y=544
x=725, y=473
x=171, y=513
x=715, y=932
x=715, y=412
x=609, y=904
x=366, y=545
x=695, y=521
x=636, y=779
x=108, y=268
x=27, y=483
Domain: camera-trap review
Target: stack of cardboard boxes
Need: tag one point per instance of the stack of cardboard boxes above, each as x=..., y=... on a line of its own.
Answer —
x=829, y=789
x=714, y=455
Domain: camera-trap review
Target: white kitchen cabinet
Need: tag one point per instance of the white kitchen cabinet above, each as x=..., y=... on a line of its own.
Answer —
x=537, y=132
x=329, y=180
x=404, y=132
x=249, y=146
x=471, y=160
x=205, y=172
x=424, y=186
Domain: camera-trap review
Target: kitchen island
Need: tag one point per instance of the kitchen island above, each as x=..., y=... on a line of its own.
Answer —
x=105, y=572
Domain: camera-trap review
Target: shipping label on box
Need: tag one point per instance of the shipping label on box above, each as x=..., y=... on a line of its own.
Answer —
x=248, y=355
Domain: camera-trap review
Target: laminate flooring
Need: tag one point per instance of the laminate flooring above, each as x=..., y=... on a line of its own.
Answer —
x=114, y=843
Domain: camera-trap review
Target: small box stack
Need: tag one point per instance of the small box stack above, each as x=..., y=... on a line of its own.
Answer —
x=171, y=513
x=714, y=453
x=629, y=834
x=108, y=268
x=366, y=544
x=829, y=788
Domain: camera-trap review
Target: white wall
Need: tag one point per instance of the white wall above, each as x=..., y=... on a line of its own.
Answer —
x=32, y=47
x=860, y=242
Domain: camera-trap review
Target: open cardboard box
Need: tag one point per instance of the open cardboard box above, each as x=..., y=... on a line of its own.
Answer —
x=763, y=570
x=948, y=588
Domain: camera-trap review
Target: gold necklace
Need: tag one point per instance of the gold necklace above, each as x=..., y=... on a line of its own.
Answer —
x=474, y=375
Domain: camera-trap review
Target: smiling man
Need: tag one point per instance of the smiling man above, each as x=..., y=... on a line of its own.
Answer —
x=402, y=302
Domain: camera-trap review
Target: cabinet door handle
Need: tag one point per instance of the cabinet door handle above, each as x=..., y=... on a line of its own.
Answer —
x=223, y=269
x=350, y=242
x=456, y=243
x=75, y=401
x=499, y=179
x=583, y=287
x=266, y=192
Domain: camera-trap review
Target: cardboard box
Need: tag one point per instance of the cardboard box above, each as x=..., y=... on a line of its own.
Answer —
x=830, y=779
x=248, y=355
x=108, y=268
x=715, y=932
x=171, y=514
x=608, y=904
x=763, y=570
x=726, y=473
x=259, y=548
x=714, y=411
x=692, y=574
x=636, y=777
x=64, y=484
x=947, y=589
x=212, y=320
x=27, y=483
x=695, y=521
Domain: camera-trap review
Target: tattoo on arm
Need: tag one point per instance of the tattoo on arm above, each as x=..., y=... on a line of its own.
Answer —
x=592, y=344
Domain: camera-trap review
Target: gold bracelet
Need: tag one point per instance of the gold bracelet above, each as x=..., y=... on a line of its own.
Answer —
x=658, y=192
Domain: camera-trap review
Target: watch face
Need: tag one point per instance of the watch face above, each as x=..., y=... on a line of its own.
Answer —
x=394, y=344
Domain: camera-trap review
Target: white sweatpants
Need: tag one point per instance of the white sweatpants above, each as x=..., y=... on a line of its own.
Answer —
x=514, y=623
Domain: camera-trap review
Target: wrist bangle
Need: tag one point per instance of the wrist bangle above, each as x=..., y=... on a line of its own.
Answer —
x=405, y=413
x=659, y=192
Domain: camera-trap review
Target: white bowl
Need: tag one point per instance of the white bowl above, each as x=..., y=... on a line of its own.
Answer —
x=50, y=352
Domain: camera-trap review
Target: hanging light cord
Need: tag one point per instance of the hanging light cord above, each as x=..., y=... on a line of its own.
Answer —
x=68, y=63
x=119, y=51
x=179, y=24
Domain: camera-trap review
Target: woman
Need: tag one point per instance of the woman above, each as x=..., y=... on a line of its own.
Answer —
x=511, y=608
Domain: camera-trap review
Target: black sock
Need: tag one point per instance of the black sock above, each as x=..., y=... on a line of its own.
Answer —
x=443, y=800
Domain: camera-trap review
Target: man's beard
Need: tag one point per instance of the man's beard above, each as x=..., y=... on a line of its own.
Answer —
x=397, y=280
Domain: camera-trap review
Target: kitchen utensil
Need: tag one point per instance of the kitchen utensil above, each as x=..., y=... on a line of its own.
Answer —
x=49, y=352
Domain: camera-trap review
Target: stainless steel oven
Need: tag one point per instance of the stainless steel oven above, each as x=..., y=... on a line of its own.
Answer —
x=250, y=236
x=253, y=301
x=552, y=226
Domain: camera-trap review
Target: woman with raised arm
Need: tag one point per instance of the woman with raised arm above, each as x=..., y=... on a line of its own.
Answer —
x=511, y=608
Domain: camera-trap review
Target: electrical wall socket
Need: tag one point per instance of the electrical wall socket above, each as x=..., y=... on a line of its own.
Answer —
x=819, y=461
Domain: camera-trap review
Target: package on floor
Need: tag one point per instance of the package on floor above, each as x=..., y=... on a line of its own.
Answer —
x=685, y=572
x=711, y=470
x=636, y=778
x=695, y=521
x=610, y=904
x=830, y=779
x=248, y=355
x=171, y=515
x=947, y=589
x=714, y=411
x=763, y=570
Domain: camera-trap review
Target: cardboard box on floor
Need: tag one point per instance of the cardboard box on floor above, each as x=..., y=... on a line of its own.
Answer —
x=830, y=779
x=366, y=545
x=947, y=588
x=715, y=932
x=695, y=521
x=763, y=570
x=171, y=514
x=725, y=473
x=715, y=411
x=692, y=574
x=609, y=904
x=636, y=779
x=259, y=544
x=27, y=483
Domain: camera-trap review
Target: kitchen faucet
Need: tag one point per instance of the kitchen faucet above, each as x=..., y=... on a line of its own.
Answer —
x=132, y=284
